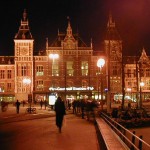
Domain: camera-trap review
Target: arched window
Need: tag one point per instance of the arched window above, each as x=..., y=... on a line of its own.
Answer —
x=84, y=84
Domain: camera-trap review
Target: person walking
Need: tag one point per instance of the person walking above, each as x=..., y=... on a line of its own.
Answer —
x=41, y=103
x=45, y=104
x=74, y=104
x=17, y=106
x=60, y=112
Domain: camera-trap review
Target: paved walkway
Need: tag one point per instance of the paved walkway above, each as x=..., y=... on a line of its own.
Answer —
x=77, y=133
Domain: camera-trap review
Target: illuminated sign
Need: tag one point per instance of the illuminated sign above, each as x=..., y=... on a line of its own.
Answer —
x=52, y=99
x=71, y=88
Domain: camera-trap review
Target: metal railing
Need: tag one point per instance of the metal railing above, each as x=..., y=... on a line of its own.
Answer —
x=128, y=138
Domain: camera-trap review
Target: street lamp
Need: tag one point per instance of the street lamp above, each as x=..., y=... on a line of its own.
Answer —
x=26, y=82
x=141, y=85
x=53, y=56
x=100, y=64
x=54, y=67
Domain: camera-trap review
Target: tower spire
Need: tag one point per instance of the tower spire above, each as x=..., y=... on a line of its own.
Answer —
x=47, y=43
x=112, y=33
x=24, y=15
x=24, y=31
x=110, y=21
x=69, y=29
x=91, y=43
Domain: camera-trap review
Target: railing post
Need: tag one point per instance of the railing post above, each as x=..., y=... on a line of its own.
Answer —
x=140, y=142
x=133, y=141
x=124, y=133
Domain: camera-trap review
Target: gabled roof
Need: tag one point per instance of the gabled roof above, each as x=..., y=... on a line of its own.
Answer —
x=24, y=31
x=111, y=33
x=61, y=37
x=144, y=60
x=64, y=37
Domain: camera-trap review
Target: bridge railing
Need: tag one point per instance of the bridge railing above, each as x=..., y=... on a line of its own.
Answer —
x=128, y=138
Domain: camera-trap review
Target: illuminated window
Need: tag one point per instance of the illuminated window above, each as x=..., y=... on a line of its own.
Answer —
x=129, y=73
x=39, y=70
x=84, y=84
x=69, y=67
x=2, y=74
x=147, y=72
x=9, y=74
x=8, y=86
x=24, y=70
x=148, y=85
x=40, y=85
x=2, y=87
x=84, y=68
x=55, y=68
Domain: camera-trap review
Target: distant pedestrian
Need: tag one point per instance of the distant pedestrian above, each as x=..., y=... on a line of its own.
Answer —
x=60, y=112
x=69, y=104
x=17, y=106
x=45, y=104
x=74, y=104
x=41, y=103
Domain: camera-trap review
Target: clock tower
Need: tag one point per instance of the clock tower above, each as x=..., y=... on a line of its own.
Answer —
x=23, y=49
x=113, y=51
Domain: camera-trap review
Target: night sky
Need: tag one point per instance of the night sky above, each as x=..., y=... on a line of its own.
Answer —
x=88, y=18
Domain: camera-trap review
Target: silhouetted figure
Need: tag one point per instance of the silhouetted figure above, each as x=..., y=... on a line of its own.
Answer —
x=41, y=103
x=115, y=113
x=74, y=105
x=78, y=106
x=17, y=106
x=45, y=104
x=60, y=112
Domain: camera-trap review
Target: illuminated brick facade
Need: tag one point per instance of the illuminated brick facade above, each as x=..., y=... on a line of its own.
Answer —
x=73, y=74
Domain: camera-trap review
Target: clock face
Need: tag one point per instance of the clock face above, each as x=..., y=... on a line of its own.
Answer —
x=24, y=51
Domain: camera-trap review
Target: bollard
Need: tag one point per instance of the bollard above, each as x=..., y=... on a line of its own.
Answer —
x=133, y=141
x=140, y=142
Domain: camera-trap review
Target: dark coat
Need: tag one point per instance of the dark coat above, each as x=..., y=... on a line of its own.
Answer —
x=17, y=106
x=60, y=111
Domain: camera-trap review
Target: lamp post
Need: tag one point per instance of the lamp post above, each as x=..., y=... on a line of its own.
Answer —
x=26, y=82
x=65, y=78
x=100, y=64
x=53, y=57
x=141, y=85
